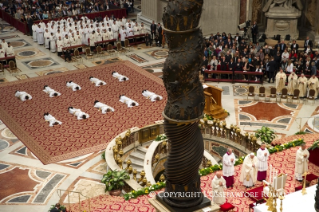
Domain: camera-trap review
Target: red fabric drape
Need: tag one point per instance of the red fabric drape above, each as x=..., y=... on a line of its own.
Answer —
x=314, y=156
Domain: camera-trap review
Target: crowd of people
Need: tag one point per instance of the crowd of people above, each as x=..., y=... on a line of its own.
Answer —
x=281, y=62
x=6, y=50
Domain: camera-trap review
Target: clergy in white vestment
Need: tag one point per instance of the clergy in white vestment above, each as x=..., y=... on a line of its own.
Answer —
x=34, y=32
x=60, y=45
x=219, y=186
x=142, y=28
x=313, y=84
x=78, y=113
x=152, y=96
x=302, y=85
x=262, y=156
x=115, y=30
x=9, y=50
x=228, y=167
x=46, y=39
x=51, y=119
x=110, y=34
x=280, y=80
x=97, y=81
x=249, y=170
x=121, y=78
x=2, y=52
x=22, y=95
x=40, y=35
x=129, y=30
x=92, y=40
x=123, y=35
x=292, y=83
x=103, y=107
x=136, y=29
x=129, y=102
x=301, y=165
x=73, y=86
x=52, y=42
x=50, y=91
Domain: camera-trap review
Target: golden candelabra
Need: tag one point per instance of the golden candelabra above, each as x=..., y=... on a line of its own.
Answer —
x=304, y=191
x=270, y=200
x=281, y=197
x=275, y=201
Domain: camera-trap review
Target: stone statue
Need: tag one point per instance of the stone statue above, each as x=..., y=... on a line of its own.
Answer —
x=288, y=4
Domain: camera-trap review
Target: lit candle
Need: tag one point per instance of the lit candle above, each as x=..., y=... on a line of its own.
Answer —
x=276, y=179
x=270, y=174
x=282, y=184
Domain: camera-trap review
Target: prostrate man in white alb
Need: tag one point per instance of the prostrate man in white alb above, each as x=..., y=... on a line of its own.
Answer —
x=219, y=186
x=52, y=121
x=128, y=101
x=51, y=92
x=103, y=107
x=23, y=96
x=152, y=96
x=262, y=156
x=78, y=113
x=97, y=81
x=228, y=167
x=121, y=78
x=301, y=162
x=73, y=86
x=249, y=170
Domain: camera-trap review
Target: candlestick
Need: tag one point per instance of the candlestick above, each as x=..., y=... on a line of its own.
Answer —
x=282, y=183
x=270, y=174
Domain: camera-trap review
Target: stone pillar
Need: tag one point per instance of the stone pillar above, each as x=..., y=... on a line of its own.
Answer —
x=316, y=27
x=149, y=13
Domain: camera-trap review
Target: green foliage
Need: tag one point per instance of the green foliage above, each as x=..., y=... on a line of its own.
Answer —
x=62, y=207
x=208, y=117
x=114, y=180
x=301, y=133
x=144, y=191
x=161, y=137
x=265, y=134
x=315, y=145
x=103, y=155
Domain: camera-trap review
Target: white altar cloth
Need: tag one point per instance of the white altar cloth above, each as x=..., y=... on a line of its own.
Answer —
x=294, y=202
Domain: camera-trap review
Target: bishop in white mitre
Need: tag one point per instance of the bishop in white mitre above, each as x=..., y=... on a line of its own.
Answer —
x=280, y=80
x=228, y=167
x=219, y=185
x=249, y=170
x=103, y=107
x=119, y=76
x=262, y=156
x=73, y=86
x=301, y=165
x=97, y=81
x=152, y=96
x=129, y=102
x=52, y=121
x=23, y=96
x=78, y=113
x=51, y=92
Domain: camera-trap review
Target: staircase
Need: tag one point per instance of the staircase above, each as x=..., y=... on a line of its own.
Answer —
x=217, y=112
x=137, y=159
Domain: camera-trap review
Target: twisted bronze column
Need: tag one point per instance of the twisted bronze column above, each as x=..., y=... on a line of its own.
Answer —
x=185, y=104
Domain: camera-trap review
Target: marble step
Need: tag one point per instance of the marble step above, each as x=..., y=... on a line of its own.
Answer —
x=141, y=150
x=137, y=162
x=137, y=156
x=138, y=168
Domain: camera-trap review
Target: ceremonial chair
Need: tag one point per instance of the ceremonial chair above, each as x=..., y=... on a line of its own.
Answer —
x=120, y=49
x=110, y=49
x=99, y=51
x=273, y=94
x=279, y=186
x=226, y=207
x=13, y=68
x=88, y=53
x=77, y=56
x=295, y=96
x=262, y=93
x=127, y=45
x=311, y=96
x=1, y=69
x=251, y=92
x=283, y=95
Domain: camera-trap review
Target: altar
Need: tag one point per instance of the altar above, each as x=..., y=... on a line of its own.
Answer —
x=294, y=202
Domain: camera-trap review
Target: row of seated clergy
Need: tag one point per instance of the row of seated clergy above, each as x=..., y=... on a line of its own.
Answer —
x=6, y=50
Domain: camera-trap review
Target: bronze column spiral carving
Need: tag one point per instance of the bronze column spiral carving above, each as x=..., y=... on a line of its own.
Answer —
x=185, y=104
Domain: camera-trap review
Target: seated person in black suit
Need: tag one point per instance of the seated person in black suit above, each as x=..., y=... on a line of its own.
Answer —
x=57, y=208
x=239, y=67
x=307, y=69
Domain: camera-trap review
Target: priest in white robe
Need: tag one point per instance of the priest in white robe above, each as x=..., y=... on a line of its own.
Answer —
x=280, y=80
x=78, y=113
x=115, y=30
x=302, y=85
x=40, y=35
x=262, y=156
x=51, y=92
x=46, y=39
x=52, y=42
x=60, y=45
x=249, y=170
x=152, y=96
x=51, y=119
x=228, y=167
x=301, y=165
x=219, y=186
x=23, y=96
x=129, y=102
x=313, y=84
x=119, y=76
x=103, y=107
x=73, y=86
x=97, y=81
x=34, y=32
x=292, y=83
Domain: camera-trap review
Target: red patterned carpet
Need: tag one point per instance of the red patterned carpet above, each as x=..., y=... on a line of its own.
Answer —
x=73, y=137
x=283, y=161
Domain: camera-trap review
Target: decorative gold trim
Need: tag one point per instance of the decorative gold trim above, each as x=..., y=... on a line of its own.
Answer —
x=176, y=121
x=181, y=32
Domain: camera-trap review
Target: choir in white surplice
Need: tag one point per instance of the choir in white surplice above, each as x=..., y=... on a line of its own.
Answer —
x=103, y=107
x=51, y=92
x=129, y=102
x=23, y=96
x=152, y=96
x=78, y=113
x=120, y=77
x=228, y=167
x=73, y=86
x=97, y=81
x=51, y=119
x=262, y=156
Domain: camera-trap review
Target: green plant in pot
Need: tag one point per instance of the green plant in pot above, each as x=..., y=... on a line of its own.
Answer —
x=265, y=134
x=114, y=181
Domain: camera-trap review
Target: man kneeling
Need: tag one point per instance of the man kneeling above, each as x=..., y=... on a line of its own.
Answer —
x=103, y=107
x=23, y=96
x=73, y=86
x=128, y=101
x=119, y=76
x=152, y=96
x=51, y=92
x=52, y=121
x=97, y=82
x=78, y=113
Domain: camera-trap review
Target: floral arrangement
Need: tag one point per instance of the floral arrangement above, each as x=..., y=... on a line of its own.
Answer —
x=62, y=208
x=144, y=191
x=161, y=137
x=315, y=145
x=238, y=161
x=208, y=117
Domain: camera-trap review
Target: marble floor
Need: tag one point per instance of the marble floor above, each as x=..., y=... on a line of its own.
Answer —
x=33, y=186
